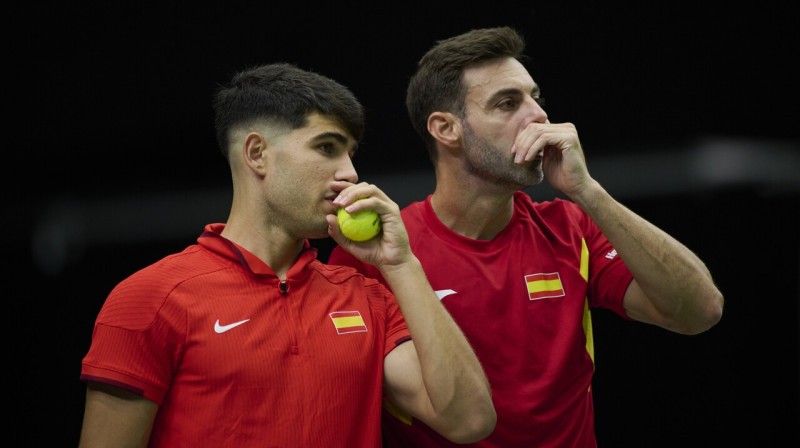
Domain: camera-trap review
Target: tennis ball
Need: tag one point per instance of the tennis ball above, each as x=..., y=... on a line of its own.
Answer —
x=359, y=226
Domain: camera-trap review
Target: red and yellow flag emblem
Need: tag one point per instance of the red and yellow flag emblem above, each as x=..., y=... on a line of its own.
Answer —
x=348, y=322
x=542, y=286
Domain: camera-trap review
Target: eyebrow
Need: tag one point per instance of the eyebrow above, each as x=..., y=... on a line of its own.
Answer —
x=334, y=135
x=513, y=91
x=338, y=136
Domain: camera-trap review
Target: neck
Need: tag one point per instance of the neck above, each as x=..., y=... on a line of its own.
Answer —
x=474, y=211
x=271, y=245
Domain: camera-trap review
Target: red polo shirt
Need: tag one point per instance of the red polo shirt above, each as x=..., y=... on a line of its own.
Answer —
x=234, y=356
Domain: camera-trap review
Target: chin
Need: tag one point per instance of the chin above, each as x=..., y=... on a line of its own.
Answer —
x=527, y=177
x=318, y=233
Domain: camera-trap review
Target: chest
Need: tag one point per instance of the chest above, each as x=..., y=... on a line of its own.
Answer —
x=262, y=337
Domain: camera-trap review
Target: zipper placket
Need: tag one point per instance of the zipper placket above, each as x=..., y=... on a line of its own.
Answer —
x=293, y=323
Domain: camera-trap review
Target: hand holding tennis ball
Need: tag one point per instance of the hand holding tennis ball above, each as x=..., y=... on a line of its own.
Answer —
x=359, y=226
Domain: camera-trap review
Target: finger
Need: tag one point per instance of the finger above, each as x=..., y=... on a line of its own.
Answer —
x=532, y=140
x=361, y=197
x=352, y=193
x=336, y=234
x=532, y=149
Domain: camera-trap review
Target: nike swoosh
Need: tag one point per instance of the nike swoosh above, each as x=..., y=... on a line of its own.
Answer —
x=442, y=293
x=223, y=328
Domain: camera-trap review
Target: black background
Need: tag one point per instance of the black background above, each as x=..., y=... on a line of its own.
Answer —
x=110, y=120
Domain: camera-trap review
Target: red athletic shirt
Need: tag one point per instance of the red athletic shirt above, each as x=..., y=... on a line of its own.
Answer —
x=522, y=299
x=234, y=356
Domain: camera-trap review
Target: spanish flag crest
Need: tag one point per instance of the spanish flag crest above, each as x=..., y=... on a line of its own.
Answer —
x=543, y=286
x=348, y=322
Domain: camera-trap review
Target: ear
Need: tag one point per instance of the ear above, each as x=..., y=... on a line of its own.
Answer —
x=445, y=128
x=253, y=152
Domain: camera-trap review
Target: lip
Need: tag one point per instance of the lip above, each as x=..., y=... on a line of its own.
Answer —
x=331, y=208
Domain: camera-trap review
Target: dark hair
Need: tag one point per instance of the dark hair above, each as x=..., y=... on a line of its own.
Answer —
x=283, y=94
x=438, y=83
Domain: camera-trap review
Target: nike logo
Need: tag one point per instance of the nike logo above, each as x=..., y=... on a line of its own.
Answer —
x=223, y=328
x=442, y=293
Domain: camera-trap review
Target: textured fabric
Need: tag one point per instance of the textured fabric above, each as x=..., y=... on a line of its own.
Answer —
x=235, y=357
x=522, y=299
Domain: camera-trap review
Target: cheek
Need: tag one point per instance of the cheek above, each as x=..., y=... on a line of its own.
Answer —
x=504, y=128
x=308, y=180
x=295, y=170
x=312, y=174
x=502, y=135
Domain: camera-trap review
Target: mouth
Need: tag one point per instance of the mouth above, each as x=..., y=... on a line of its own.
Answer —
x=331, y=208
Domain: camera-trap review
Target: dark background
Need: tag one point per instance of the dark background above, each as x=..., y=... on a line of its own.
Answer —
x=688, y=115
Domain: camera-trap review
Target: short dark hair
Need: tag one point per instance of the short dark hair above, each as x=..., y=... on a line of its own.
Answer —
x=437, y=84
x=284, y=94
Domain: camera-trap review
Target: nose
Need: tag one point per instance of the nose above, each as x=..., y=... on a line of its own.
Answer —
x=346, y=170
x=534, y=113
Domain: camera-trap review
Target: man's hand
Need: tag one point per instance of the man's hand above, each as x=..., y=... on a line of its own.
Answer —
x=388, y=248
x=563, y=161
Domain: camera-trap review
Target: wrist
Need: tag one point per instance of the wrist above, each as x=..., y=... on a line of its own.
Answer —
x=587, y=194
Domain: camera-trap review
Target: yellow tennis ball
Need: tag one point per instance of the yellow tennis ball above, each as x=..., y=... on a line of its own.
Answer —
x=359, y=226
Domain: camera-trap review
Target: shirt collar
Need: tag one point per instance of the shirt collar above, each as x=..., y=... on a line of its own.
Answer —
x=212, y=239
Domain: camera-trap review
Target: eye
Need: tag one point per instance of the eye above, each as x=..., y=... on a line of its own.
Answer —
x=539, y=100
x=326, y=148
x=508, y=104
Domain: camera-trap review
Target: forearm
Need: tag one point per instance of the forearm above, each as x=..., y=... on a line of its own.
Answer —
x=674, y=280
x=114, y=417
x=457, y=389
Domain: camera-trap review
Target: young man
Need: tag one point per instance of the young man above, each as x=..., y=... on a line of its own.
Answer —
x=520, y=277
x=245, y=338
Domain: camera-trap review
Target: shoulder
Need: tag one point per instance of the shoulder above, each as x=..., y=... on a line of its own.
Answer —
x=421, y=221
x=135, y=301
x=414, y=208
x=176, y=268
x=415, y=212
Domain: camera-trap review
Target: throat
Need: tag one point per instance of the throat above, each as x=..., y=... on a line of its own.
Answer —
x=478, y=219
